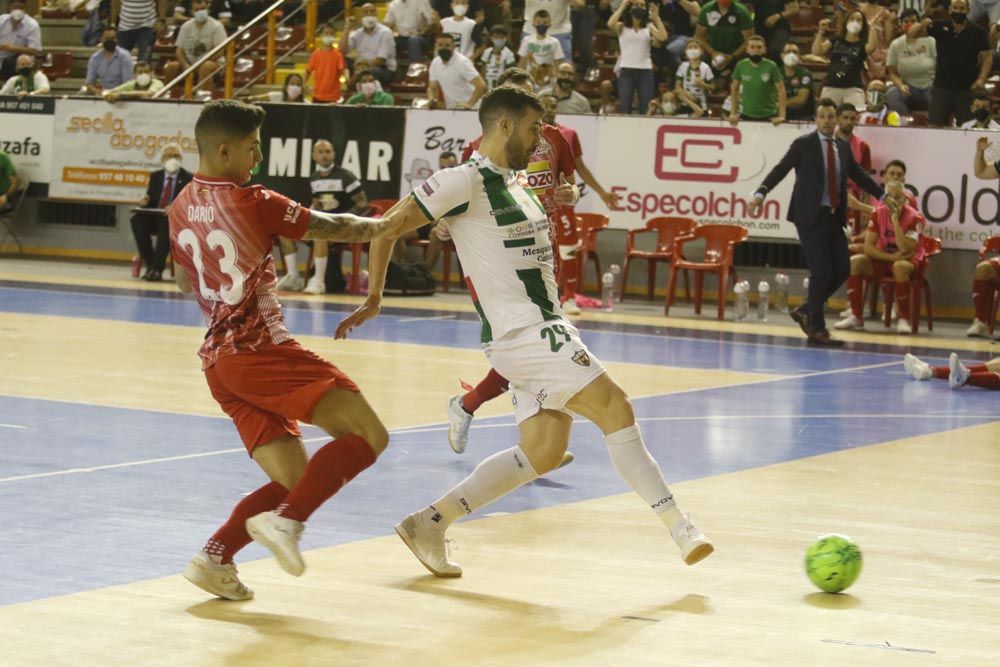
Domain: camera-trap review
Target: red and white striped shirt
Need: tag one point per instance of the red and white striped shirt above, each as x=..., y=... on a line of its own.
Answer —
x=222, y=235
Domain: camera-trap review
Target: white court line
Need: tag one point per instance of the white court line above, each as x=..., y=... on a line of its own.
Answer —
x=11, y=426
x=424, y=319
x=73, y=471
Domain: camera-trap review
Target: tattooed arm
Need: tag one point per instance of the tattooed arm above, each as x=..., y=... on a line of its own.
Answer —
x=345, y=227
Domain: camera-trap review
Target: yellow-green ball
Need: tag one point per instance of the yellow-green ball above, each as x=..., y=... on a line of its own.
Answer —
x=833, y=563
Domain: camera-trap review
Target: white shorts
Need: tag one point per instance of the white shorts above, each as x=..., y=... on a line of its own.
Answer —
x=546, y=364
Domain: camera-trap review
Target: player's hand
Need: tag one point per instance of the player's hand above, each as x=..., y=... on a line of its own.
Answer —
x=610, y=199
x=756, y=204
x=566, y=194
x=734, y=119
x=144, y=202
x=777, y=120
x=366, y=311
x=904, y=90
x=442, y=232
x=982, y=144
x=825, y=26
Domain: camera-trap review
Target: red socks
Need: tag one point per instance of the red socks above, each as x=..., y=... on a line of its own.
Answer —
x=333, y=466
x=986, y=380
x=232, y=536
x=942, y=372
x=569, y=270
x=855, y=295
x=488, y=388
x=982, y=300
x=903, y=300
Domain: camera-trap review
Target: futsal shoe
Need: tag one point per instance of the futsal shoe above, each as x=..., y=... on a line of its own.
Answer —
x=920, y=370
x=281, y=537
x=566, y=460
x=850, y=323
x=290, y=283
x=957, y=373
x=978, y=329
x=219, y=580
x=570, y=308
x=429, y=545
x=692, y=542
x=903, y=327
x=458, y=424
x=315, y=286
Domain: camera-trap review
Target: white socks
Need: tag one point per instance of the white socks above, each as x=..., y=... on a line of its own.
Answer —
x=292, y=264
x=632, y=461
x=320, y=263
x=494, y=477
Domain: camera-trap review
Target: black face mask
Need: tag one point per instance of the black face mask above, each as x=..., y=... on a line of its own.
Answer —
x=639, y=14
x=110, y=45
x=541, y=29
x=958, y=18
x=982, y=115
x=445, y=54
x=756, y=58
x=24, y=71
x=565, y=84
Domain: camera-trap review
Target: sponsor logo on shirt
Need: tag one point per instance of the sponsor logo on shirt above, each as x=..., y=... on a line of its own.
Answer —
x=539, y=176
x=426, y=187
x=291, y=212
x=497, y=212
x=581, y=357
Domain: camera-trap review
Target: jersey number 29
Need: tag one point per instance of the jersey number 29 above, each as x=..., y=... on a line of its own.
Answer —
x=217, y=240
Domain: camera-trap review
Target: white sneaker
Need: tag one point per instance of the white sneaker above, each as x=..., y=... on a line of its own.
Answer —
x=570, y=308
x=852, y=323
x=219, y=580
x=978, y=330
x=693, y=544
x=903, y=327
x=281, y=536
x=429, y=546
x=957, y=373
x=844, y=313
x=290, y=283
x=920, y=370
x=566, y=460
x=315, y=286
x=458, y=424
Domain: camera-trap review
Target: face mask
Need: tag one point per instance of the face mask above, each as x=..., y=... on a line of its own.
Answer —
x=294, y=92
x=459, y=10
x=639, y=14
x=958, y=18
x=854, y=27
x=541, y=29
x=790, y=59
x=875, y=98
x=24, y=71
x=669, y=108
x=367, y=88
x=143, y=80
x=693, y=54
x=110, y=45
x=982, y=115
x=328, y=39
x=756, y=58
x=201, y=15
x=444, y=54
x=320, y=166
x=499, y=43
x=368, y=21
x=17, y=15
x=172, y=165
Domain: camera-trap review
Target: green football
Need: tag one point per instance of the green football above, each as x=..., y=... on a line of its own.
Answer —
x=833, y=563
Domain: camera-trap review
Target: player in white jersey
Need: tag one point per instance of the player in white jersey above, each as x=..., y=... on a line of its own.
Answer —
x=501, y=235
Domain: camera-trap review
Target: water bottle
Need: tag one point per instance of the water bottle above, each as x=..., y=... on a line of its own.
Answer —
x=763, y=291
x=363, y=281
x=742, y=308
x=608, y=291
x=805, y=287
x=616, y=291
x=781, y=283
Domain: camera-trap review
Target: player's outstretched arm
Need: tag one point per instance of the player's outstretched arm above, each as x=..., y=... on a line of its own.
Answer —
x=344, y=227
x=982, y=169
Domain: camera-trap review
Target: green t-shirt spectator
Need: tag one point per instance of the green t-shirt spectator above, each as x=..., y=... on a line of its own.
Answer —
x=379, y=99
x=725, y=31
x=7, y=172
x=155, y=85
x=758, y=89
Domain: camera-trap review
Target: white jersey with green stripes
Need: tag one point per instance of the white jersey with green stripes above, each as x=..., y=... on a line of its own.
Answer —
x=501, y=234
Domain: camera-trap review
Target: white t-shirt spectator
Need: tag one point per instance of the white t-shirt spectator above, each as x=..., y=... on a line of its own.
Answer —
x=379, y=43
x=686, y=76
x=197, y=39
x=545, y=50
x=15, y=85
x=635, y=45
x=496, y=63
x=410, y=17
x=455, y=78
x=992, y=126
x=557, y=9
x=26, y=34
x=461, y=31
x=916, y=60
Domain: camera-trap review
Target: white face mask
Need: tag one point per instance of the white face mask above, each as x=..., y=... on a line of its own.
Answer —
x=17, y=15
x=201, y=15
x=790, y=59
x=143, y=79
x=854, y=27
x=368, y=21
x=172, y=165
x=367, y=88
x=328, y=39
x=459, y=10
x=693, y=54
x=294, y=92
x=669, y=108
x=324, y=167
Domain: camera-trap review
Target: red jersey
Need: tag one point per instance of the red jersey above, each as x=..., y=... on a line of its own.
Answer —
x=222, y=236
x=910, y=221
x=572, y=140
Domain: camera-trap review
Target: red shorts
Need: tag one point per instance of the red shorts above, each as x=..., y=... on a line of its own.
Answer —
x=884, y=269
x=266, y=392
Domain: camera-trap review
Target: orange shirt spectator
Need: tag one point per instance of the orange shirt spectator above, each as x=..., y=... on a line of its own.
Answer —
x=327, y=65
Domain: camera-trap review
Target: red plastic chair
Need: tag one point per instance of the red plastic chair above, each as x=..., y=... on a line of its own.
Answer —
x=588, y=226
x=919, y=286
x=667, y=230
x=415, y=81
x=57, y=64
x=719, y=243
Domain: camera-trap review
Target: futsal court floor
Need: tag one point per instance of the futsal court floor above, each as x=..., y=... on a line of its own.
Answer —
x=116, y=465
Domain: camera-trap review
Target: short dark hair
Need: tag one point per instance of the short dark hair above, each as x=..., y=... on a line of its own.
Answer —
x=220, y=120
x=894, y=163
x=143, y=63
x=542, y=14
x=826, y=102
x=980, y=97
x=910, y=12
x=756, y=38
x=514, y=75
x=365, y=72
x=445, y=35
x=447, y=154
x=506, y=100
x=846, y=106
x=499, y=29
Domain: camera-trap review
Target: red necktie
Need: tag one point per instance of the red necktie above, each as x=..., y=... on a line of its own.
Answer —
x=168, y=192
x=832, y=186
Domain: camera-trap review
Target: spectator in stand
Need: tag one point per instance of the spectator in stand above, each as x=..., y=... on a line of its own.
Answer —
x=28, y=81
x=567, y=99
x=724, y=26
x=454, y=77
x=848, y=51
x=143, y=85
x=876, y=112
x=99, y=17
x=373, y=42
x=770, y=20
x=368, y=94
x=677, y=17
x=583, y=20
x=19, y=33
x=882, y=25
x=798, y=85
x=461, y=28
x=327, y=65
x=411, y=20
x=668, y=105
x=963, y=63
x=164, y=186
x=9, y=184
x=540, y=48
x=608, y=100
x=635, y=65
x=911, y=62
x=982, y=119
x=693, y=80
x=109, y=67
x=196, y=37
x=980, y=8
x=497, y=58
x=987, y=276
x=136, y=20
x=758, y=83
x=222, y=10
x=560, y=26
x=292, y=92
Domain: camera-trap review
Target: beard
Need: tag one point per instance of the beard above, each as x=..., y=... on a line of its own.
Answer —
x=518, y=155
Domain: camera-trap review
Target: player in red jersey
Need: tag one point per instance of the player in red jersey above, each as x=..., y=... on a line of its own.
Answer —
x=985, y=375
x=222, y=235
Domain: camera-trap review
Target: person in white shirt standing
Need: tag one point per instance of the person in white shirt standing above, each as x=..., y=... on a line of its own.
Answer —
x=373, y=43
x=541, y=48
x=136, y=20
x=411, y=19
x=497, y=58
x=636, y=32
x=460, y=27
x=453, y=76
x=560, y=24
x=19, y=33
x=694, y=77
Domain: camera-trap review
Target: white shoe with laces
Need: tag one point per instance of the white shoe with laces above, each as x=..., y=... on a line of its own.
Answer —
x=920, y=370
x=978, y=329
x=903, y=327
x=429, y=545
x=290, y=283
x=570, y=308
x=851, y=323
x=281, y=537
x=315, y=286
x=458, y=424
x=957, y=373
x=217, y=579
x=692, y=542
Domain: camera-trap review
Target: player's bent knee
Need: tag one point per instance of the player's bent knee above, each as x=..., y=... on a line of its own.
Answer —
x=545, y=456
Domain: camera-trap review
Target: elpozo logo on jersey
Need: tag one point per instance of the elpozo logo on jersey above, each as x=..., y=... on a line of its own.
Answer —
x=540, y=176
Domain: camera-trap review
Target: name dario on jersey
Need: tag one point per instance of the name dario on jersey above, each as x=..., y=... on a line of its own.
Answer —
x=201, y=214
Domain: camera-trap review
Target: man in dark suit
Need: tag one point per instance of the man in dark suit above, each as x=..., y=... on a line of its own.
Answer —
x=819, y=211
x=164, y=185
